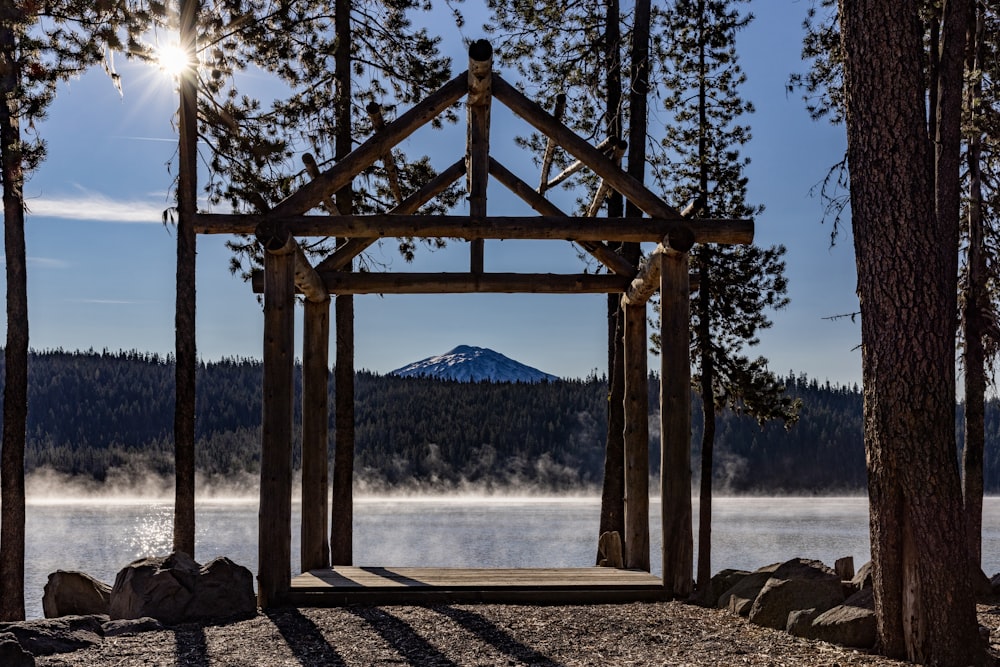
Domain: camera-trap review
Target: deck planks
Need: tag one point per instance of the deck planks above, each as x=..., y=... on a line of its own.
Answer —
x=342, y=585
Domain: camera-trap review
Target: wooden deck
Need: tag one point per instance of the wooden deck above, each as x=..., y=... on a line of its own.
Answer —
x=341, y=586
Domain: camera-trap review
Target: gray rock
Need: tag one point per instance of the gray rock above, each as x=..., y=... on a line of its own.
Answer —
x=796, y=584
x=131, y=626
x=724, y=581
x=739, y=599
x=57, y=635
x=175, y=590
x=74, y=594
x=800, y=619
x=850, y=624
x=11, y=653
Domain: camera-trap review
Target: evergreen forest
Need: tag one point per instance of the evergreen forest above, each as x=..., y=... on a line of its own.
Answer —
x=94, y=412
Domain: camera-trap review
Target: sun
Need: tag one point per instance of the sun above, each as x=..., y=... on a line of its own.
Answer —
x=172, y=59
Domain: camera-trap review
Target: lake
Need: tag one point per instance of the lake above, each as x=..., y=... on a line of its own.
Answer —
x=101, y=536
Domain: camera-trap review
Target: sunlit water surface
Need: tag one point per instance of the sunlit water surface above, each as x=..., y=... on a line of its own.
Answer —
x=101, y=537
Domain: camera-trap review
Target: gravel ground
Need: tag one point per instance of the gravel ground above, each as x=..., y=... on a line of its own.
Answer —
x=669, y=633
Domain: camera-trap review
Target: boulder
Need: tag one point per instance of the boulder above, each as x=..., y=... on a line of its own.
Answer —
x=56, y=635
x=849, y=624
x=11, y=653
x=740, y=597
x=175, y=589
x=800, y=619
x=723, y=581
x=796, y=584
x=74, y=594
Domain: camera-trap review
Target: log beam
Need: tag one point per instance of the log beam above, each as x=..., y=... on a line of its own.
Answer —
x=550, y=145
x=647, y=282
x=490, y=227
x=431, y=189
x=314, y=546
x=606, y=147
x=600, y=164
x=374, y=110
x=276, y=240
x=599, y=250
x=464, y=283
x=312, y=168
x=312, y=193
x=675, y=425
x=478, y=140
x=275, y=515
x=636, y=440
x=604, y=188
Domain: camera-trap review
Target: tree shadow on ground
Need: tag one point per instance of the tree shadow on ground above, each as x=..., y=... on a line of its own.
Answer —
x=495, y=636
x=402, y=637
x=191, y=649
x=305, y=640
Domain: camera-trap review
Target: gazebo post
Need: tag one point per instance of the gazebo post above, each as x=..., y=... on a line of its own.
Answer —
x=315, y=549
x=478, y=149
x=275, y=517
x=675, y=419
x=636, y=440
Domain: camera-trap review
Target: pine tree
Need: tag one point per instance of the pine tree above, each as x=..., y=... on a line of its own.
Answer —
x=904, y=160
x=979, y=325
x=701, y=163
x=41, y=45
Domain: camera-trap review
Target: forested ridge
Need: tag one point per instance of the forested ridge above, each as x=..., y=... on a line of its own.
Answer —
x=90, y=412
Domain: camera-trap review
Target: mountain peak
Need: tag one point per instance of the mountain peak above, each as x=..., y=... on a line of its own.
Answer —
x=467, y=363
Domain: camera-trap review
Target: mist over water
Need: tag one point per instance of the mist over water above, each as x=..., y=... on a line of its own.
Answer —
x=101, y=534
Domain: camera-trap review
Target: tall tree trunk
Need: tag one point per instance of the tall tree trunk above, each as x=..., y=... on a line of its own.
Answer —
x=707, y=388
x=342, y=510
x=906, y=250
x=186, y=362
x=974, y=356
x=15, y=396
x=613, y=489
x=704, y=334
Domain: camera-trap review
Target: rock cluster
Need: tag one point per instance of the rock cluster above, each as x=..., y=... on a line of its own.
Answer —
x=805, y=598
x=148, y=594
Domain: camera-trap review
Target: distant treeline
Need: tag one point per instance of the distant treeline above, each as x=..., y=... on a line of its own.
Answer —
x=92, y=412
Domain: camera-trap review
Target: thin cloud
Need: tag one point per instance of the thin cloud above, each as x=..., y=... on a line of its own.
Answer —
x=97, y=207
x=48, y=263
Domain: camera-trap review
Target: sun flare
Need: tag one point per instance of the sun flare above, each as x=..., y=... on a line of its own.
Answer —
x=172, y=59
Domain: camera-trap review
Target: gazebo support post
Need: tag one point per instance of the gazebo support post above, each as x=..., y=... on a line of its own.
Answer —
x=636, y=440
x=275, y=517
x=478, y=150
x=315, y=549
x=675, y=420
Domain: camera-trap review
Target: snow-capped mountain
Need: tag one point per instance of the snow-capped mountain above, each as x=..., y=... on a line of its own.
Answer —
x=473, y=364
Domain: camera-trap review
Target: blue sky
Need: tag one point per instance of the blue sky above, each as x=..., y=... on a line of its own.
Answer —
x=101, y=264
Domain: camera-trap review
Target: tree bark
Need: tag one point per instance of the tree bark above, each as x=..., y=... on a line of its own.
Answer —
x=342, y=510
x=613, y=488
x=186, y=356
x=707, y=388
x=15, y=395
x=906, y=250
x=973, y=320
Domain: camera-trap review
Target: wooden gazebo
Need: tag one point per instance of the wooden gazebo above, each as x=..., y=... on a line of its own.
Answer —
x=287, y=271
